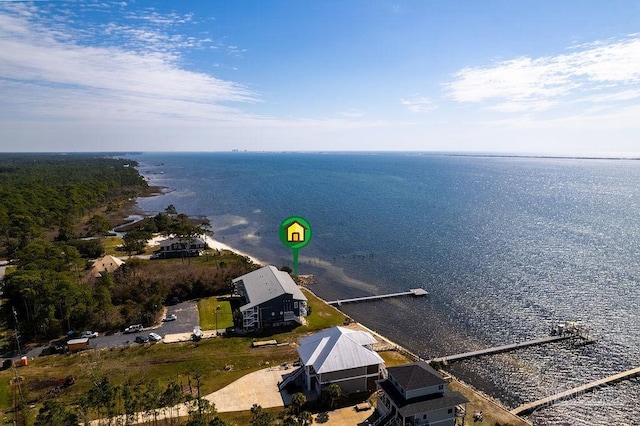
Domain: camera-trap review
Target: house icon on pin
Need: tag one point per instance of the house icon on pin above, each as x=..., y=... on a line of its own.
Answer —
x=296, y=232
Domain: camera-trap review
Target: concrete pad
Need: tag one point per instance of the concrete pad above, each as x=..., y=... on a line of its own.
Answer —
x=259, y=387
x=345, y=416
x=186, y=337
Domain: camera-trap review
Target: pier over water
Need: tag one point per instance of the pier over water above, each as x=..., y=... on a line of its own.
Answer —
x=570, y=393
x=564, y=331
x=418, y=292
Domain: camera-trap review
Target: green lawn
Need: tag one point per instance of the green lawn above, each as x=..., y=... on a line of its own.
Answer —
x=207, y=312
x=322, y=315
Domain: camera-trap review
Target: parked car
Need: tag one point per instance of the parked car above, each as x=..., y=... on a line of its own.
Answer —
x=171, y=317
x=154, y=337
x=133, y=328
x=142, y=339
x=52, y=350
x=89, y=334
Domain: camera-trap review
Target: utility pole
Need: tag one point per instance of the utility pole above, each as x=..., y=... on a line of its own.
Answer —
x=17, y=406
x=217, y=309
x=15, y=317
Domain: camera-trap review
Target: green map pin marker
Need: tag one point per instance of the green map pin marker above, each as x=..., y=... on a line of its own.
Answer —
x=295, y=233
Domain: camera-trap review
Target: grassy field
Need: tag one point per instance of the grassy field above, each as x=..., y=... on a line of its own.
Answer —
x=217, y=361
x=207, y=311
x=322, y=315
x=111, y=245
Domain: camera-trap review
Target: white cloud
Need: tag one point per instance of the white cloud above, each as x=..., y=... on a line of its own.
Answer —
x=419, y=104
x=45, y=69
x=609, y=68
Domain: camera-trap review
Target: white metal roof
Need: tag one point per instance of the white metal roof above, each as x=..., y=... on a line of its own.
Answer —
x=338, y=348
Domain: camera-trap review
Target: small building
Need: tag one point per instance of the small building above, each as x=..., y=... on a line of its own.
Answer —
x=415, y=394
x=342, y=356
x=76, y=345
x=181, y=247
x=107, y=263
x=269, y=298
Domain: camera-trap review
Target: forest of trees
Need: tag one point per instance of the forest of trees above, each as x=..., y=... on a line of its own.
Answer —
x=49, y=292
x=40, y=193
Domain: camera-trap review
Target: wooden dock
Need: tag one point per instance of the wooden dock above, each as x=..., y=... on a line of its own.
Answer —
x=413, y=292
x=550, y=400
x=503, y=348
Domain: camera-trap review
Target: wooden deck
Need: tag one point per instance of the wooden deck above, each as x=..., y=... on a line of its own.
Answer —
x=413, y=292
x=503, y=348
x=550, y=400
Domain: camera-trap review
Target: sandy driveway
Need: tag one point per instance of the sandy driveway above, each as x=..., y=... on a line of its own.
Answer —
x=259, y=387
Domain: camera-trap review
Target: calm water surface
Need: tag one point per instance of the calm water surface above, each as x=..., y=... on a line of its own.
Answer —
x=507, y=247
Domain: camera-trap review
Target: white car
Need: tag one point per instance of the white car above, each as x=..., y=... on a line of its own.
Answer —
x=135, y=328
x=89, y=334
x=171, y=317
x=154, y=337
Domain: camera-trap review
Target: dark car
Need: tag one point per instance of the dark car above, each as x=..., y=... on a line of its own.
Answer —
x=52, y=350
x=142, y=339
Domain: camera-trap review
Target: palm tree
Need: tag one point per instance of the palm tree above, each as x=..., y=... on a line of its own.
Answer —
x=335, y=392
x=297, y=401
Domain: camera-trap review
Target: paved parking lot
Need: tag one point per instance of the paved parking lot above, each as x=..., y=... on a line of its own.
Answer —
x=187, y=319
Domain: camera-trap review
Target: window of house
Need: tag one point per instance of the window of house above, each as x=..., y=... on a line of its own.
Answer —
x=441, y=387
x=295, y=305
x=450, y=410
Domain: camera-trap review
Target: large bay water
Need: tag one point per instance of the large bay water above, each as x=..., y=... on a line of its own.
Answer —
x=506, y=246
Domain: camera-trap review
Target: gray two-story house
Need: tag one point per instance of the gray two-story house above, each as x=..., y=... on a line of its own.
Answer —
x=269, y=298
x=415, y=394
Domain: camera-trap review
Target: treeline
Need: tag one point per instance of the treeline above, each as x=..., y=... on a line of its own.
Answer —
x=45, y=192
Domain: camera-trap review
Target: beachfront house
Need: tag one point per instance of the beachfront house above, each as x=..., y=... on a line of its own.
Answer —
x=415, y=394
x=181, y=247
x=342, y=356
x=269, y=298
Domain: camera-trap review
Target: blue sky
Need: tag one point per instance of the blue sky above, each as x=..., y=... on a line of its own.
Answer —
x=550, y=77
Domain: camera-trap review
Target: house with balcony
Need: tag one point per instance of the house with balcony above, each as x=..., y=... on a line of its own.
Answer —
x=269, y=298
x=181, y=247
x=416, y=395
x=342, y=356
